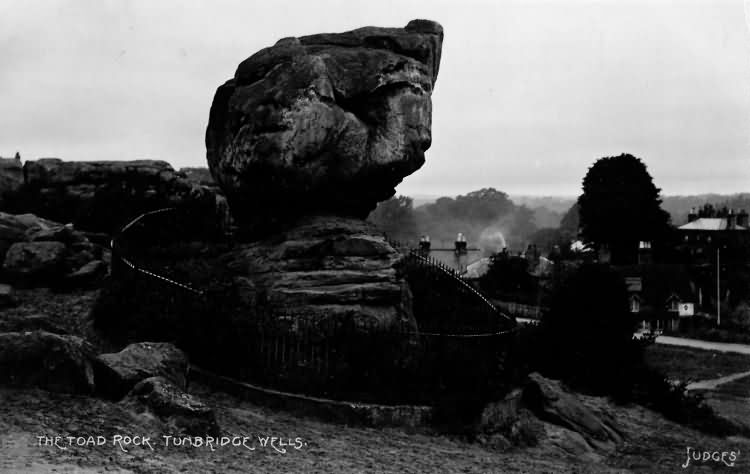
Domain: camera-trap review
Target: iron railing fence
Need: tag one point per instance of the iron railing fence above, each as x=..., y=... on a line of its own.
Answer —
x=460, y=344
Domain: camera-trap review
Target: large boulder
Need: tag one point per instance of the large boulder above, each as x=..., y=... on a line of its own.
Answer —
x=328, y=123
x=18, y=228
x=38, y=251
x=179, y=410
x=119, y=372
x=41, y=359
x=35, y=261
x=102, y=196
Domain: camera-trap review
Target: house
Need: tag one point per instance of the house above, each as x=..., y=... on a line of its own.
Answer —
x=710, y=232
x=656, y=294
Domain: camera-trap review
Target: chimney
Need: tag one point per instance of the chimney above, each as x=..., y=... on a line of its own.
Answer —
x=731, y=220
x=460, y=243
x=742, y=218
x=644, y=253
x=424, y=244
x=692, y=215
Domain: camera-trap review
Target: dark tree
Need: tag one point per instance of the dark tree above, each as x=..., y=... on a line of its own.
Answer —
x=570, y=223
x=620, y=206
x=590, y=328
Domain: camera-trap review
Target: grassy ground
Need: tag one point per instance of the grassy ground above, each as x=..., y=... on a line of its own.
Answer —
x=730, y=400
x=688, y=364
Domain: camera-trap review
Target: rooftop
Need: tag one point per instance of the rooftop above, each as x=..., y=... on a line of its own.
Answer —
x=709, y=223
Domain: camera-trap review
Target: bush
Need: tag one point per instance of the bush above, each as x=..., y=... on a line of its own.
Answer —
x=588, y=332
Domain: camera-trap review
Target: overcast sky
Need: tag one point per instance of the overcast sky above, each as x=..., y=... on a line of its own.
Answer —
x=529, y=95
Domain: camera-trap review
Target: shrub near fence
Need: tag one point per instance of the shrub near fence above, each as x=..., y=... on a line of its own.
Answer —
x=457, y=353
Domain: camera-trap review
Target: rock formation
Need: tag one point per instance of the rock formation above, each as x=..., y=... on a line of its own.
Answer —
x=119, y=372
x=40, y=252
x=50, y=361
x=324, y=268
x=304, y=141
x=102, y=196
x=158, y=397
x=328, y=123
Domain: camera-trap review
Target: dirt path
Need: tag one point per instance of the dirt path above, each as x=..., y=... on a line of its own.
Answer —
x=711, y=384
x=706, y=345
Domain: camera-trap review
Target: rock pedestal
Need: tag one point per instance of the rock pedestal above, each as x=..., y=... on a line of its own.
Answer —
x=324, y=268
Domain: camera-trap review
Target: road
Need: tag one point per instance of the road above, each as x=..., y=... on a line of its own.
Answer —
x=707, y=345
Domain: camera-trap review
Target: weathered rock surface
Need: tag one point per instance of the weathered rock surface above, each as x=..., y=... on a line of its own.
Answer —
x=119, y=372
x=324, y=268
x=179, y=410
x=328, y=123
x=36, y=251
x=38, y=261
x=30, y=322
x=88, y=274
x=102, y=196
x=50, y=361
x=17, y=228
x=552, y=403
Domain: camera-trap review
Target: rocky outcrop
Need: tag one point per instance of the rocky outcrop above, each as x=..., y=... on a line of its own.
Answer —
x=179, y=410
x=17, y=228
x=324, y=268
x=102, y=196
x=324, y=124
x=40, y=252
x=50, y=361
x=119, y=372
x=554, y=404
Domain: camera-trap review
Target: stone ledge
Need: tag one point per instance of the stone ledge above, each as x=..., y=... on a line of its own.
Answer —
x=345, y=412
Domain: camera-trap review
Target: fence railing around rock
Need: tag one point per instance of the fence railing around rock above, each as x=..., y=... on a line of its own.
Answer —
x=460, y=343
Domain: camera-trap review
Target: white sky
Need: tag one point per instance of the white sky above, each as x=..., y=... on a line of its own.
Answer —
x=529, y=95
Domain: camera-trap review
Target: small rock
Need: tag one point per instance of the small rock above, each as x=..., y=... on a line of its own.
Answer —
x=88, y=273
x=119, y=372
x=54, y=362
x=169, y=403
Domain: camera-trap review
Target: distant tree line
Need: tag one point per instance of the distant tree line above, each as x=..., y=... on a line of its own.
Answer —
x=479, y=215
